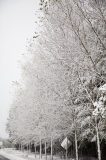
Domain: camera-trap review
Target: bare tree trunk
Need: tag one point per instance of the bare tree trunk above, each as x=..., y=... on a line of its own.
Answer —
x=21, y=147
x=27, y=150
x=35, y=149
x=40, y=156
x=76, y=145
x=51, y=148
x=45, y=150
x=98, y=142
x=29, y=147
x=66, y=149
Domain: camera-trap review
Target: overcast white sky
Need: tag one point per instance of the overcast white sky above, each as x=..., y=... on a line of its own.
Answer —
x=17, y=23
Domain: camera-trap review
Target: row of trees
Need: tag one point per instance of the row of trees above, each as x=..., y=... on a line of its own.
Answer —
x=63, y=91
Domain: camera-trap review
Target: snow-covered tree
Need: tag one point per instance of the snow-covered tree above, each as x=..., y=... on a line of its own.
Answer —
x=62, y=77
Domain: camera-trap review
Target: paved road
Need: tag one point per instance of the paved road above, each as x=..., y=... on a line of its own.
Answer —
x=3, y=158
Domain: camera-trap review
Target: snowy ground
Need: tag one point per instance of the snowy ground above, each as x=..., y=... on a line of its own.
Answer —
x=13, y=154
x=17, y=155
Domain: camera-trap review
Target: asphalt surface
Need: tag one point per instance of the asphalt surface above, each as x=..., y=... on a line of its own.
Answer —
x=3, y=158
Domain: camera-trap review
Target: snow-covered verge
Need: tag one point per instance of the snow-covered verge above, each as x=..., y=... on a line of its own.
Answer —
x=12, y=154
